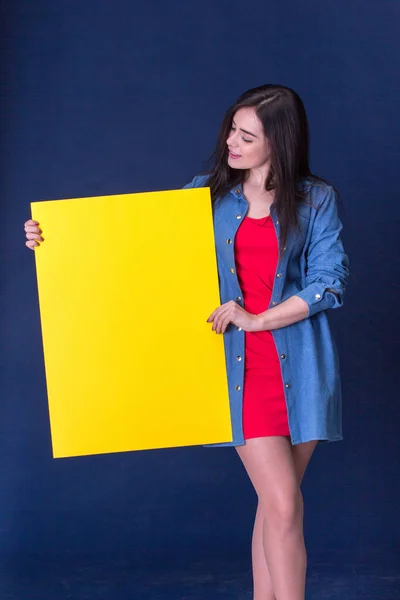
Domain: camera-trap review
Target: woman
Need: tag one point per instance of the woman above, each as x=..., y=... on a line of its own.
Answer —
x=281, y=265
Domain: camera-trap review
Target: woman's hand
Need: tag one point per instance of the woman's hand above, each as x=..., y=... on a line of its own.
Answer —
x=32, y=234
x=231, y=312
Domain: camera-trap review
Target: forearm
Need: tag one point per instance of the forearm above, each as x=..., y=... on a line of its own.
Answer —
x=291, y=311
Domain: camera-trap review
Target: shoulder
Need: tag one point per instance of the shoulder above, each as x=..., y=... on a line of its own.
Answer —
x=197, y=182
x=316, y=193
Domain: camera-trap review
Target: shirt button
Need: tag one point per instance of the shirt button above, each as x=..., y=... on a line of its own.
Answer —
x=287, y=385
x=238, y=216
x=283, y=356
x=277, y=222
x=239, y=328
x=238, y=388
x=233, y=271
x=317, y=296
x=237, y=191
x=279, y=275
x=239, y=299
x=274, y=304
x=238, y=358
x=284, y=249
x=229, y=241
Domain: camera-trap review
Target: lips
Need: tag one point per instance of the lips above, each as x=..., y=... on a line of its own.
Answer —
x=233, y=154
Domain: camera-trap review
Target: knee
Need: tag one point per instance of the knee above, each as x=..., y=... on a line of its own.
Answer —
x=284, y=513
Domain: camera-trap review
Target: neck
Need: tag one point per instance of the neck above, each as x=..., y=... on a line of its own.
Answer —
x=258, y=177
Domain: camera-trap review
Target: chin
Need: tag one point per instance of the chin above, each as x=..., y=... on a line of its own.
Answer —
x=233, y=164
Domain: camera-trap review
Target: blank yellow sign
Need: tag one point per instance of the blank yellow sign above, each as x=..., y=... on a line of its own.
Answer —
x=126, y=284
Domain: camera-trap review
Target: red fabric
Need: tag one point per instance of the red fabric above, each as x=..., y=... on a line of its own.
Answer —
x=264, y=404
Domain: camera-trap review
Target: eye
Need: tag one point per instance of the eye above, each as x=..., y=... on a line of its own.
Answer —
x=246, y=140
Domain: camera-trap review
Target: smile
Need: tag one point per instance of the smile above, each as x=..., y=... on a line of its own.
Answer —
x=234, y=155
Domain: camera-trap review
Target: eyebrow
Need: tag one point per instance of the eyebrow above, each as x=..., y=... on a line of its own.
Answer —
x=244, y=130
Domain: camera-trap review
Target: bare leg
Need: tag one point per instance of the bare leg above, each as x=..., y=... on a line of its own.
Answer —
x=262, y=585
x=263, y=589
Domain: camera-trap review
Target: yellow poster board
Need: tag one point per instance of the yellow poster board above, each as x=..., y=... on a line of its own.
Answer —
x=126, y=284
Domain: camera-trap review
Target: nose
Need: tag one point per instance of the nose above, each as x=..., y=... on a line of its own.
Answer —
x=231, y=141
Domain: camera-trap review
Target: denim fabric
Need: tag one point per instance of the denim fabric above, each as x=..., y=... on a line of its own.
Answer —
x=314, y=267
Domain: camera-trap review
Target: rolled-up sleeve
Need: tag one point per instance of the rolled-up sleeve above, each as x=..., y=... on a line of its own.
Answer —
x=327, y=266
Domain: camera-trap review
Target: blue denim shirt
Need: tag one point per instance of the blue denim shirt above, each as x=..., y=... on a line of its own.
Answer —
x=314, y=267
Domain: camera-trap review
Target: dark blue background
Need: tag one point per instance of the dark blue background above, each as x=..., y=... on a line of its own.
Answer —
x=104, y=97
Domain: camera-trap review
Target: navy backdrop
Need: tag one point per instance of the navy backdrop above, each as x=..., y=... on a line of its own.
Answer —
x=104, y=97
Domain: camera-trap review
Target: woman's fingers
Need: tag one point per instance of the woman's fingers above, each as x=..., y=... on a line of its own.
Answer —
x=214, y=318
x=32, y=231
x=213, y=314
x=225, y=323
x=30, y=223
x=222, y=315
x=34, y=236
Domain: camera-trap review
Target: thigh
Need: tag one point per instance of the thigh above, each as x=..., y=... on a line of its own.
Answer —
x=302, y=454
x=271, y=467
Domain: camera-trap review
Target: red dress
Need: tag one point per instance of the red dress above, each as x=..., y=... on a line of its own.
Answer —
x=264, y=404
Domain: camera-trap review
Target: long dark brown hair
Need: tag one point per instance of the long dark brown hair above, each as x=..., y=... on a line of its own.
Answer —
x=285, y=124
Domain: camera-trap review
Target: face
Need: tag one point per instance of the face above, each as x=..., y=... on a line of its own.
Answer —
x=247, y=144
